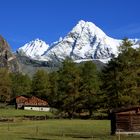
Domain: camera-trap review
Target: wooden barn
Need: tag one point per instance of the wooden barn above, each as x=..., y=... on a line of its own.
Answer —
x=125, y=121
x=31, y=103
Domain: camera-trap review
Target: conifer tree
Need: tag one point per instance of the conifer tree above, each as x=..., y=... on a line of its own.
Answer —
x=40, y=83
x=120, y=77
x=53, y=89
x=21, y=84
x=5, y=85
x=69, y=80
x=89, y=86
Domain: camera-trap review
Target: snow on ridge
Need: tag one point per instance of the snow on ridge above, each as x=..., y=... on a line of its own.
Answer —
x=84, y=42
x=34, y=49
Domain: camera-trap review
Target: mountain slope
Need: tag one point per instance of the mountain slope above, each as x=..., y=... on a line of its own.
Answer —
x=7, y=59
x=85, y=42
x=33, y=49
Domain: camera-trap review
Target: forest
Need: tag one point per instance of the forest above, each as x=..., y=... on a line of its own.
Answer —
x=81, y=88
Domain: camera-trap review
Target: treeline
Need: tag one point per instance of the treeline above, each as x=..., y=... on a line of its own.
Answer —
x=70, y=89
x=78, y=88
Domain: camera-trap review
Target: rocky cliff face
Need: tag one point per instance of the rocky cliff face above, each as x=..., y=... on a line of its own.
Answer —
x=7, y=59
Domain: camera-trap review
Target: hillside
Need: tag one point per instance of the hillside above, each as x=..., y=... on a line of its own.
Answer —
x=7, y=59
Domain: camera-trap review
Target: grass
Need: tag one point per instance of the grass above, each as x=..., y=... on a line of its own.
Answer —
x=11, y=112
x=59, y=130
x=54, y=129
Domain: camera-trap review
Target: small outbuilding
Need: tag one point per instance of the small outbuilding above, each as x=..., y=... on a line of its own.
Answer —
x=31, y=103
x=125, y=120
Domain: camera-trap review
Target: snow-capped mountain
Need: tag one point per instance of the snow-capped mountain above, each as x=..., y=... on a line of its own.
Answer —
x=85, y=42
x=33, y=49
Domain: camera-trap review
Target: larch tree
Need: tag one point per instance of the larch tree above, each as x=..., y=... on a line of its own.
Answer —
x=40, y=84
x=120, y=77
x=21, y=84
x=89, y=86
x=69, y=80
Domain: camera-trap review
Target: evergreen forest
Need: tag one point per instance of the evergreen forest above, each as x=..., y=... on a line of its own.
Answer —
x=81, y=88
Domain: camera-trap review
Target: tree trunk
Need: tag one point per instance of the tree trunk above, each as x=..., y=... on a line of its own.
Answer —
x=90, y=112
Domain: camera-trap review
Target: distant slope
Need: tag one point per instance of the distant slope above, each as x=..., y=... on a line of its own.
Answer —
x=30, y=66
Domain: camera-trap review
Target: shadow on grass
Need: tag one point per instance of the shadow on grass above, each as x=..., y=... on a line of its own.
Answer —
x=36, y=139
x=78, y=137
x=82, y=137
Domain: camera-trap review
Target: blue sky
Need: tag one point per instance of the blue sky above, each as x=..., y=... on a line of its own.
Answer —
x=24, y=20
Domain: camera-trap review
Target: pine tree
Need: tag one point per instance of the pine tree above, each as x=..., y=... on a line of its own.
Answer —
x=120, y=77
x=89, y=86
x=40, y=84
x=53, y=89
x=69, y=80
x=5, y=85
x=21, y=84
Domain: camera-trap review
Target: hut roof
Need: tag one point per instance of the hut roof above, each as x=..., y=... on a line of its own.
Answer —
x=125, y=109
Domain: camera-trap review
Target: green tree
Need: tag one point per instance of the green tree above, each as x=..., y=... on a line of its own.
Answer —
x=5, y=85
x=53, y=89
x=40, y=84
x=21, y=84
x=120, y=77
x=89, y=86
x=69, y=80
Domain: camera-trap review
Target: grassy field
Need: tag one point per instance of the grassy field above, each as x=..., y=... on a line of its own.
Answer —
x=21, y=129
x=11, y=112
x=59, y=130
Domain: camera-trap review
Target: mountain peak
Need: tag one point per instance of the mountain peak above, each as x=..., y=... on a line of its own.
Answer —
x=85, y=41
x=82, y=22
x=34, y=49
x=89, y=28
x=38, y=40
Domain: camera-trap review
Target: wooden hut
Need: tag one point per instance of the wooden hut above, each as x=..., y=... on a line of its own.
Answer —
x=125, y=120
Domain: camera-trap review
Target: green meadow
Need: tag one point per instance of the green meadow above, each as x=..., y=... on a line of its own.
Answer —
x=54, y=129
x=11, y=112
x=59, y=130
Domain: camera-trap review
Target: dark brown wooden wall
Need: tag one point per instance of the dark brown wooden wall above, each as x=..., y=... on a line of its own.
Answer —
x=128, y=122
